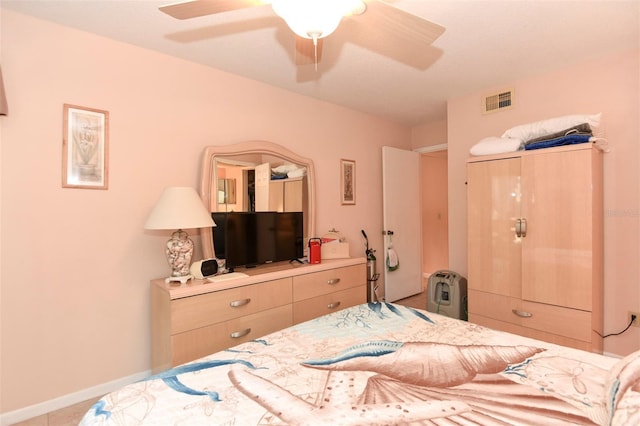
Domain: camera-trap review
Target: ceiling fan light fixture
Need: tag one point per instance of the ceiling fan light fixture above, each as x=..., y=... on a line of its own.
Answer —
x=314, y=19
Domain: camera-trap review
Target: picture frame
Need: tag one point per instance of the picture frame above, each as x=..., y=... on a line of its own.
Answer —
x=347, y=182
x=85, y=148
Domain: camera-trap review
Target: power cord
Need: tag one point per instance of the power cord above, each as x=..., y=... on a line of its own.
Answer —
x=633, y=318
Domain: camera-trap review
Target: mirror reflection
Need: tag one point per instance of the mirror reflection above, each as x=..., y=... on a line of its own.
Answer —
x=256, y=176
x=226, y=191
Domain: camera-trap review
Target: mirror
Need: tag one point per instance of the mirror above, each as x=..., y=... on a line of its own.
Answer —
x=264, y=176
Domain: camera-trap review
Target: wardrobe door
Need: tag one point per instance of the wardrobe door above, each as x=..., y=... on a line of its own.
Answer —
x=558, y=250
x=493, y=196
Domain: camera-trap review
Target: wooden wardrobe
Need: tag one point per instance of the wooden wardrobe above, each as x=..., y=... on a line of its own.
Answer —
x=535, y=244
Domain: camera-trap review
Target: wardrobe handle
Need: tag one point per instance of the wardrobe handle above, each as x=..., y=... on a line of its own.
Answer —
x=523, y=314
x=239, y=334
x=333, y=305
x=521, y=227
x=238, y=303
x=333, y=281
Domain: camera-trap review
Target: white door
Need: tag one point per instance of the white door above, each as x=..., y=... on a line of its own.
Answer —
x=401, y=222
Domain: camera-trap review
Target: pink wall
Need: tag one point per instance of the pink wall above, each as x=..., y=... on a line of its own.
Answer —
x=76, y=264
x=429, y=134
x=435, y=239
x=435, y=212
x=611, y=86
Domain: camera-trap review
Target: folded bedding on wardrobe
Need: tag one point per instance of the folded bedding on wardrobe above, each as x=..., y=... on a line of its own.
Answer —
x=580, y=133
x=530, y=131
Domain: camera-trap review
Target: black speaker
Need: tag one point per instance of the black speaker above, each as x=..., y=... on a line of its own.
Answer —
x=204, y=268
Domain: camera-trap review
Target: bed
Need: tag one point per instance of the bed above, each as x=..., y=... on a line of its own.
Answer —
x=381, y=363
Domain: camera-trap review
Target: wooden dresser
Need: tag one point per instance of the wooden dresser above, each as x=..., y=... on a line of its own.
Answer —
x=535, y=229
x=198, y=318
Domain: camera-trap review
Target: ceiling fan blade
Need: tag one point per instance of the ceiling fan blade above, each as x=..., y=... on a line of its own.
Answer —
x=196, y=8
x=413, y=53
x=306, y=52
x=395, y=22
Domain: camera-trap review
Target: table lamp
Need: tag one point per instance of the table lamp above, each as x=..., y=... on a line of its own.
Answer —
x=179, y=208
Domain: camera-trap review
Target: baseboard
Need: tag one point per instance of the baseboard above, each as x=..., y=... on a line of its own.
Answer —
x=45, y=407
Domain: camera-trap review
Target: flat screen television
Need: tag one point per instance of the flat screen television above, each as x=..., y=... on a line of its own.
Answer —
x=219, y=218
x=254, y=238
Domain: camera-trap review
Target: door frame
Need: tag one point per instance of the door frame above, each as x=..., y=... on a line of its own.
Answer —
x=432, y=148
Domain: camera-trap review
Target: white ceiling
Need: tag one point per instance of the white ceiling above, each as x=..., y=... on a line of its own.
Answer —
x=487, y=44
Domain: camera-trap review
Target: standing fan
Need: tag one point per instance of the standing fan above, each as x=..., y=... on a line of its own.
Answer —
x=312, y=20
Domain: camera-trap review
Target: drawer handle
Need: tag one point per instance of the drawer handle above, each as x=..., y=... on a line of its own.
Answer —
x=238, y=303
x=333, y=305
x=523, y=314
x=239, y=334
x=333, y=281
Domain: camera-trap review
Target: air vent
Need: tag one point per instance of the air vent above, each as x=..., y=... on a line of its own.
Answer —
x=497, y=102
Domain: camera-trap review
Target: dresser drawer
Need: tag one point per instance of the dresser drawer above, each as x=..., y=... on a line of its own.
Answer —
x=566, y=322
x=211, y=308
x=571, y=323
x=204, y=341
x=325, y=282
x=325, y=304
x=489, y=305
x=531, y=333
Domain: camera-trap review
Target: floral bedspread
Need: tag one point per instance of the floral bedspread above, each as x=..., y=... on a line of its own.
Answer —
x=384, y=364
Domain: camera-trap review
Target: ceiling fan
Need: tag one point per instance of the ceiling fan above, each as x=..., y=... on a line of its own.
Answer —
x=313, y=20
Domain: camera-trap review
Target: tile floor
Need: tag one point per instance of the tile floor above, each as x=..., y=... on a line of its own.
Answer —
x=419, y=301
x=71, y=415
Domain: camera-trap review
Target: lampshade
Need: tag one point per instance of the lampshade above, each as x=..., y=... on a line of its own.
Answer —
x=179, y=208
x=314, y=19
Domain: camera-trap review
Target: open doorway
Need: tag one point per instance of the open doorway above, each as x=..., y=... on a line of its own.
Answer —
x=435, y=212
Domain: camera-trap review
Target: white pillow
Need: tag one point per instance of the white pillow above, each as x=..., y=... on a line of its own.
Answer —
x=495, y=145
x=526, y=132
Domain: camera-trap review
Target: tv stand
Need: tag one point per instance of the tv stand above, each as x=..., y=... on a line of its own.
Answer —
x=201, y=317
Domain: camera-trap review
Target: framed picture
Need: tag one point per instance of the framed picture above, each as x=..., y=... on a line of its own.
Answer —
x=85, y=148
x=348, y=181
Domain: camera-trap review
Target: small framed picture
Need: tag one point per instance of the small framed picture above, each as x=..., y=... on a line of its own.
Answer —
x=348, y=181
x=85, y=147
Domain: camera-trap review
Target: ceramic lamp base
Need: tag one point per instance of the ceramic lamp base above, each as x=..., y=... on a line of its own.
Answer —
x=181, y=280
x=179, y=251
